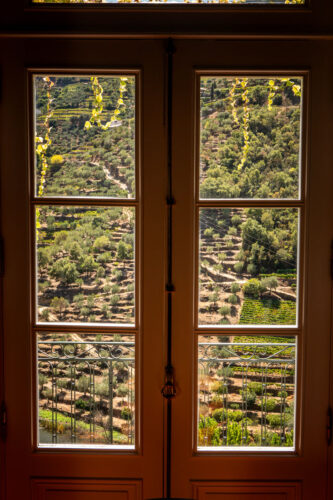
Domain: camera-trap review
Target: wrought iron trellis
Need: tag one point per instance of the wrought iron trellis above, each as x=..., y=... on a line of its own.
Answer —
x=253, y=362
x=80, y=358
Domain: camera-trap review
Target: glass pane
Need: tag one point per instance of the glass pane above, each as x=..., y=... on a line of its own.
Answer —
x=250, y=137
x=86, y=390
x=85, y=136
x=248, y=266
x=246, y=392
x=86, y=264
x=266, y=2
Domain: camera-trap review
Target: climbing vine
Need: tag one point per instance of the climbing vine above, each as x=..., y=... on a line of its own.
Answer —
x=241, y=84
x=43, y=144
x=245, y=100
x=97, y=112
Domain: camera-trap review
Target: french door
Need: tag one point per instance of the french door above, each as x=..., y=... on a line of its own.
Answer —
x=159, y=209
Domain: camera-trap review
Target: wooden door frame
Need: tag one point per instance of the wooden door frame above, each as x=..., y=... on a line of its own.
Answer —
x=128, y=20
x=312, y=23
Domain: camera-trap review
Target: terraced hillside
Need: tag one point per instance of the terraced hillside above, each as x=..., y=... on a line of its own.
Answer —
x=86, y=255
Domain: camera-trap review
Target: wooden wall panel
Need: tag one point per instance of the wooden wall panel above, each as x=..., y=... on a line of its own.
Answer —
x=85, y=489
x=221, y=490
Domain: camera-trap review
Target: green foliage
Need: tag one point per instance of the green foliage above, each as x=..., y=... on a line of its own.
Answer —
x=45, y=315
x=224, y=311
x=236, y=220
x=234, y=406
x=237, y=435
x=101, y=243
x=271, y=283
x=208, y=432
x=252, y=287
x=270, y=404
x=114, y=299
x=274, y=420
x=126, y=413
x=222, y=415
x=102, y=389
x=232, y=299
x=248, y=397
x=82, y=404
x=124, y=251
x=255, y=387
x=65, y=271
x=221, y=388
x=83, y=384
x=267, y=312
x=122, y=390
x=42, y=380
x=59, y=304
x=208, y=233
x=238, y=267
x=251, y=129
x=56, y=160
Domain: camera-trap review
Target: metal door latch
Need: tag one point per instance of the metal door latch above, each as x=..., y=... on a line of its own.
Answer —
x=169, y=389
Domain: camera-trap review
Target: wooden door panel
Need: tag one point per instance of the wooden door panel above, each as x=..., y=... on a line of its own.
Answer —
x=80, y=489
x=313, y=333
x=23, y=457
x=247, y=491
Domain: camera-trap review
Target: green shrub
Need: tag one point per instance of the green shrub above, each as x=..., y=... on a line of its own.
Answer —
x=208, y=233
x=42, y=380
x=248, y=397
x=236, y=220
x=274, y=420
x=234, y=406
x=252, y=287
x=83, y=384
x=237, y=415
x=114, y=299
x=238, y=267
x=217, y=400
x=45, y=314
x=220, y=414
x=101, y=243
x=271, y=283
x=237, y=435
x=224, y=311
x=255, y=387
x=235, y=287
x=252, y=269
x=126, y=413
x=232, y=299
x=209, y=432
x=122, y=390
x=59, y=304
x=62, y=383
x=86, y=405
x=270, y=404
x=222, y=388
x=102, y=389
